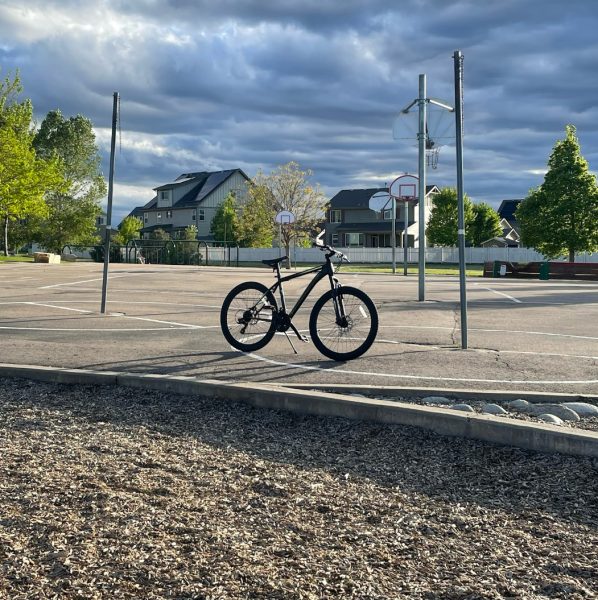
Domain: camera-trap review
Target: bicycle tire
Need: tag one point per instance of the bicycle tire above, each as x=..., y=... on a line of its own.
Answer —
x=353, y=338
x=238, y=326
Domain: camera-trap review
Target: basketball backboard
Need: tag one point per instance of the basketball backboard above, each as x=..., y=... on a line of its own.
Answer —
x=380, y=201
x=285, y=217
x=405, y=188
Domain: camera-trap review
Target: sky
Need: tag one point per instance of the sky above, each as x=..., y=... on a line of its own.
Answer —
x=219, y=84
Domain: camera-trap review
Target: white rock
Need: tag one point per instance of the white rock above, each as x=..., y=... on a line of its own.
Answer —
x=558, y=410
x=463, y=407
x=436, y=400
x=583, y=409
x=550, y=419
x=493, y=409
x=519, y=405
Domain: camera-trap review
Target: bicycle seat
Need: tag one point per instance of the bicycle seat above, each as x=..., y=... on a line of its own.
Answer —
x=272, y=262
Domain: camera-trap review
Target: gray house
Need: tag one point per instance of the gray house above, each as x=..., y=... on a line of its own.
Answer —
x=191, y=199
x=351, y=223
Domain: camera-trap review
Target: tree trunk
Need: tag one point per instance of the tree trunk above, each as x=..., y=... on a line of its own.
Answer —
x=571, y=255
x=6, y=235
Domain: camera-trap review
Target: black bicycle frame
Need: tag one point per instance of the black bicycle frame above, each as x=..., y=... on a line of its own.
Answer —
x=325, y=270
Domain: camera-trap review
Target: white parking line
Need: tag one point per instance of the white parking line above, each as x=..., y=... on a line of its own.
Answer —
x=497, y=292
x=565, y=335
x=47, y=287
x=59, y=307
x=422, y=377
x=174, y=323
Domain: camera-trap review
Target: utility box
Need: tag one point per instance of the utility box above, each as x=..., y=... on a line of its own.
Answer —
x=544, y=271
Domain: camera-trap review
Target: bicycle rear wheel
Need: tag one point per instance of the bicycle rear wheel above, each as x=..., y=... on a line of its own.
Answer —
x=248, y=316
x=349, y=334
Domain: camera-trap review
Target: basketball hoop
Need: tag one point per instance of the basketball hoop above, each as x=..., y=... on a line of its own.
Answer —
x=432, y=152
x=439, y=127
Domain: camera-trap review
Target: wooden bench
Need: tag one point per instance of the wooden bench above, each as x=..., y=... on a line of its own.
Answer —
x=537, y=270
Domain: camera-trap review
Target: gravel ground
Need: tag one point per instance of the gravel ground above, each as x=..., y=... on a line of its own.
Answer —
x=121, y=493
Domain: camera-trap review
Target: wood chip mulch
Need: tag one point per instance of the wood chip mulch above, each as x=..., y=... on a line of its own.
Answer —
x=121, y=493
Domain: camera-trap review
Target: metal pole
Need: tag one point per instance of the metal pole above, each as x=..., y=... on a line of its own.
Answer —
x=406, y=239
x=109, y=209
x=421, y=136
x=394, y=234
x=458, y=63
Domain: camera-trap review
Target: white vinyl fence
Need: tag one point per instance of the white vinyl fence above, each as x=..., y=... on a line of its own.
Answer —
x=384, y=255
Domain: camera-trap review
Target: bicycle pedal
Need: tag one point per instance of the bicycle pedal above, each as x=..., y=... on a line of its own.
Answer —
x=304, y=338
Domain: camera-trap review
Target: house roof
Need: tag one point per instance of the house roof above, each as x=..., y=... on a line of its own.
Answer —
x=499, y=241
x=507, y=209
x=205, y=183
x=360, y=198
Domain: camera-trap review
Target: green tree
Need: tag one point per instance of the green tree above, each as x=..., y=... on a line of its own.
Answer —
x=289, y=189
x=73, y=212
x=128, y=230
x=560, y=217
x=256, y=225
x=485, y=224
x=24, y=177
x=442, y=229
x=225, y=224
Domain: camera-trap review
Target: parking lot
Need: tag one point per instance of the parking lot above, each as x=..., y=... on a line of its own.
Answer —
x=523, y=334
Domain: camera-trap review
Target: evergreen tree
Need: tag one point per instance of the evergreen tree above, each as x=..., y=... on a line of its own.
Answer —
x=485, y=224
x=442, y=229
x=560, y=217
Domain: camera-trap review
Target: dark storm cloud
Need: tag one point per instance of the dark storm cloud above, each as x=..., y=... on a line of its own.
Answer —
x=254, y=84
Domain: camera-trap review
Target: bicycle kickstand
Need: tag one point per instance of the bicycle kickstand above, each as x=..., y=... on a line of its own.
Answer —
x=302, y=337
x=291, y=342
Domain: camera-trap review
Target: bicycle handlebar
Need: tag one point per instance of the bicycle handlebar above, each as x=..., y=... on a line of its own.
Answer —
x=332, y=251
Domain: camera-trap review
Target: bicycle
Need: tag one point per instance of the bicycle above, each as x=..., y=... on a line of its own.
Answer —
x=342, y=325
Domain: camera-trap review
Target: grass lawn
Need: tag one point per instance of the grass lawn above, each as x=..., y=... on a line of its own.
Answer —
x=19, y=258
x=431, y=268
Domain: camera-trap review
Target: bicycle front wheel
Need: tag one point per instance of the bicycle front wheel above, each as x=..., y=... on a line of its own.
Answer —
x=248, y=316
x=343, y=323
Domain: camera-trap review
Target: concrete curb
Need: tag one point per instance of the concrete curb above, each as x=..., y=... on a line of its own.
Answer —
x=539, y=437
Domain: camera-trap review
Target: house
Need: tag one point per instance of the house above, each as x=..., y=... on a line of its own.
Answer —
x=191, y=199
x=351, y=223
x=510, y=237
x=506, y=211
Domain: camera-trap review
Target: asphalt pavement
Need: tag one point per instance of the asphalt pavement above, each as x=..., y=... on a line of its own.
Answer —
x=523, y=334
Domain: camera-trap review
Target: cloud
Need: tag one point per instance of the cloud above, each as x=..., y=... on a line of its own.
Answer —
x=256, y=83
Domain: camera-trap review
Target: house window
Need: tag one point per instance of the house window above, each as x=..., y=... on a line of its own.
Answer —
x=145, y=218
x=159, y=216
x=334, y=239
x=164, y=198
x=202, y=214
x=169, y=214
x=335, y=216
x=387, y=215
x=354, y=239
x=99, y=220
x=193, y=215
